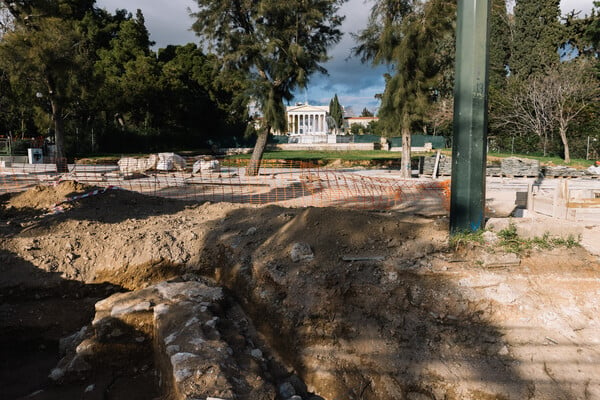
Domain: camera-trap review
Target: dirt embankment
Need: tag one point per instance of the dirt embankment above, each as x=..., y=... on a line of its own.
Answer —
x=333, y=303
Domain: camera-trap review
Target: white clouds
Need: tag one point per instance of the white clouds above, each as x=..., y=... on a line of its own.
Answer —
x=168, y=22
x=578, y=5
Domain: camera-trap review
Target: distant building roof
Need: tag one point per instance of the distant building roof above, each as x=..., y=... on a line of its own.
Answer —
x=307, y=108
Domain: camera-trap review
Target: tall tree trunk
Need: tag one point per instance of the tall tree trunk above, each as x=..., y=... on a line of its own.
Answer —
x=406, y=169
x=563, y=137
x=257, y=154
x=59, y=137
x=59, y=130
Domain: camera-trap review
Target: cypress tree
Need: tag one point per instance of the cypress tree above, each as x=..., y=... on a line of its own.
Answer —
x=499, y=44
x=537, y=37
x=337, y=112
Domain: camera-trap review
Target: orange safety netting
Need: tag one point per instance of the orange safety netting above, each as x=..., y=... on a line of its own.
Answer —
x=282, y=182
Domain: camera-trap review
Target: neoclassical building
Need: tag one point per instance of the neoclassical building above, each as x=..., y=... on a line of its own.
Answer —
x=309, y=124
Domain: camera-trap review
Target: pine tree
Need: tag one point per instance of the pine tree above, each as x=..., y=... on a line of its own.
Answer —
x=411, y=36
x=537, y=37
x=277, y=44
x=46, y=54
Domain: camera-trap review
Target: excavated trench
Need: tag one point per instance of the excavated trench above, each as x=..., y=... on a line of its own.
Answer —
x=310, y=331
x=189, y=301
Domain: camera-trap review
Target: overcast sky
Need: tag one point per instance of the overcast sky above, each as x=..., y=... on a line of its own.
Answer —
x=355, y=84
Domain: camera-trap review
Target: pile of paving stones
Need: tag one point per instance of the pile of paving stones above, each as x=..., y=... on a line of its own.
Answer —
x=514, y=166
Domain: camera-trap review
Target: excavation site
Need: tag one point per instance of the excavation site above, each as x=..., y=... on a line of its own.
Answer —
x=121, y=295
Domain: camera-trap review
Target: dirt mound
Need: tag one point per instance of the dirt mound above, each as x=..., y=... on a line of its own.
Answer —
x=43, y=197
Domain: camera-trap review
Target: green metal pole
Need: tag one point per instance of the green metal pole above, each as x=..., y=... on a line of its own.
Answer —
x=467, y=203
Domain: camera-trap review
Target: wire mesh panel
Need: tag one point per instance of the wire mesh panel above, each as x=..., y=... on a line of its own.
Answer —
x=282, y=182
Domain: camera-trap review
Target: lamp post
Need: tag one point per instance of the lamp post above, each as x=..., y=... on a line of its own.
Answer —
x=587, y=152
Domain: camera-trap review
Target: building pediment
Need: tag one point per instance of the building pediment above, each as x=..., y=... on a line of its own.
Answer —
x=305, y=108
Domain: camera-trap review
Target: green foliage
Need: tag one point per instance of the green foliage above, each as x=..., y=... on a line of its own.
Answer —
x=47, y=56
x=374, y=128
x=592, y=28
x=414, y=37
x=337, y=112
x=93, y=76
x=499, y=44
x=460, y=239
x=510, y=241
x=356, y=129
x=537, y=37
x=366, y=113
x=278, y=44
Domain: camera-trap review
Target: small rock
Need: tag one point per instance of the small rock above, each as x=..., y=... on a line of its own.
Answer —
x=490, y=237
x=116, y=333
x=500, y=260
x=56, y=374
x=251, y=231
x=301, y=252
x=90, y=388
x=286, y=390
x=85, y=348
x=256, y=353
x=295, y=397
x=503, y=351
x=298, y=384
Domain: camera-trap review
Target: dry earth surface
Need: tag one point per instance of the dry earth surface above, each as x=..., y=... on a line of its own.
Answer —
x=122, y=296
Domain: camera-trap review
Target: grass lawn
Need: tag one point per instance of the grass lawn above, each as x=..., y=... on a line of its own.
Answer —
x=575, y=162
x=355, y=155
x=377, y=156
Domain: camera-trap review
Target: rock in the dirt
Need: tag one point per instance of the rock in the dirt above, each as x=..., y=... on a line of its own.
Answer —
x=493, y=260
x=299, y=385
x=70, y=342
x=286, y=390
x=56, y=374
x=490, y=237
x=256, y=353
x=133, y=165
x=206, y=165
x=301, y=252
x=170, y=161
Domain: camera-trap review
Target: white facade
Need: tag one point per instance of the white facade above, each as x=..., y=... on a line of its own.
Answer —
x=364, y=121
x=308, y=124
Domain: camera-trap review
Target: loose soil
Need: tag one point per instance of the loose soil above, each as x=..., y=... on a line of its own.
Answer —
x=382, y=309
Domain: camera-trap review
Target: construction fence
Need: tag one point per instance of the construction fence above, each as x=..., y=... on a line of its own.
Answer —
x=281, y=182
